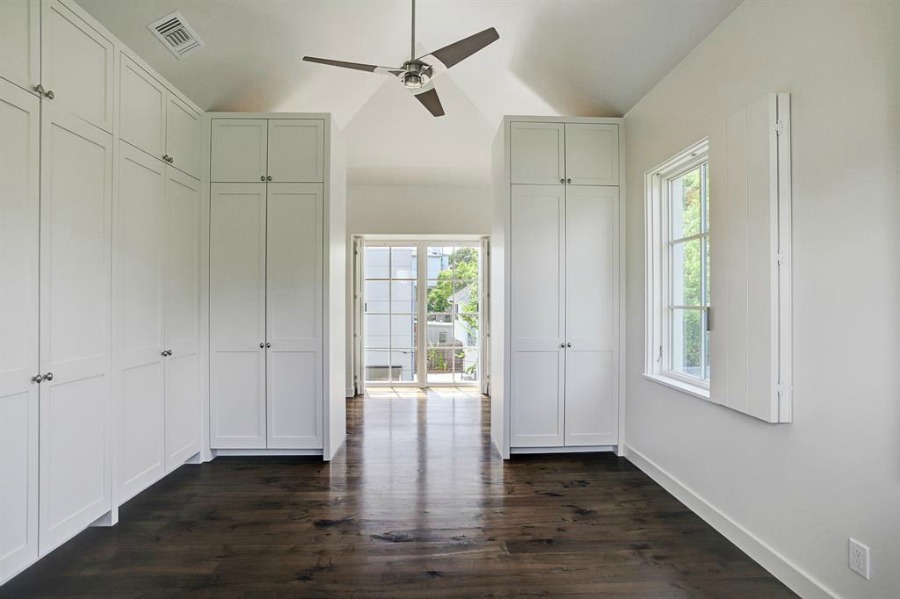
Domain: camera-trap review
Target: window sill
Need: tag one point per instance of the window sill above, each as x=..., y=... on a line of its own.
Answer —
x=678, y=385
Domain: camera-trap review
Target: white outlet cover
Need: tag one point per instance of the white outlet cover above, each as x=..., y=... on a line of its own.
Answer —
x=858, y=558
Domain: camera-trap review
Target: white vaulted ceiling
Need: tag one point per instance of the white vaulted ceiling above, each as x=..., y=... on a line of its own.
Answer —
x=575, y=57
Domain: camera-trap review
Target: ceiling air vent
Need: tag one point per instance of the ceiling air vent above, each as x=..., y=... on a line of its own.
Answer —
x=176, y=35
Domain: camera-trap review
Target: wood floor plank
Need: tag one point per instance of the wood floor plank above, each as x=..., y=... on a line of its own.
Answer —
x=417, y=505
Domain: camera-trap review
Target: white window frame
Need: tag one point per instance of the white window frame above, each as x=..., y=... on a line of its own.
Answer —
x=657, y=351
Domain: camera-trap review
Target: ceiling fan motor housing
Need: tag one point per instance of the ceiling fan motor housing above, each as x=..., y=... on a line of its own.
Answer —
x=416, y=74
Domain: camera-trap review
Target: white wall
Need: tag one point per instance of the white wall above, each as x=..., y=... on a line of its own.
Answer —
x=800, y=489
x=419, y=209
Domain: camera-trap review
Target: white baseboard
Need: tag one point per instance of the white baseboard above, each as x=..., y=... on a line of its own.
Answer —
x=265, y=452
x=780, y=567
x=349, y=392
x=581, y=449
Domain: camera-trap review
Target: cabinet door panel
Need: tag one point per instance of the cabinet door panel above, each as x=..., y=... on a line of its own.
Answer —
x=537, y=153
x=20, y=42
x=76, y=65
x=537, y=320
x=297, y=150
x=76, y=186
x=183, y=137
x=182, y=310
x=592, y=154
x=237, y=315
x=139, y=267
x=293, y=315
x=142, y=109
x=238, y=150
x=592, y=315
x=19, y=301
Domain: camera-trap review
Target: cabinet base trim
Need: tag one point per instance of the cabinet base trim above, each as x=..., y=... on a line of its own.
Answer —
x=581, y=449
x=265, y=452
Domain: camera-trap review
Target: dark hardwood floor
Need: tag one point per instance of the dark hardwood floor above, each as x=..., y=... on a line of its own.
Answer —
x=417, y=506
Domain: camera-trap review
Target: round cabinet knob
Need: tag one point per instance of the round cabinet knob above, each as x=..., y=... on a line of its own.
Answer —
x=563, y=181
x=269, y=178
x=568, y=345
x=37, y=379
x=262, y=178
x=171, y=160
x=568, y=180
x=268, y=345
x=39, y=89
x=164, y=354
x=562, y=346
x=48, y=376
x=262, y=345
x=49, y=95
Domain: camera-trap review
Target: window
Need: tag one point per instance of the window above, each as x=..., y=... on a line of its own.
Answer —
x=678, y=259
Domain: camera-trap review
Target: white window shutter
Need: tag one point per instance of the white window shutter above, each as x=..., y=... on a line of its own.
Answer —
x=751, y=345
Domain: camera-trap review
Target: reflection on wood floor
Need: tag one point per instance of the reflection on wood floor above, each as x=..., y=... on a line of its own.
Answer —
x=418, y=505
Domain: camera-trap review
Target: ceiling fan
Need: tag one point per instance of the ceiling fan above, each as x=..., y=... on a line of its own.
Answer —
x=415, y=74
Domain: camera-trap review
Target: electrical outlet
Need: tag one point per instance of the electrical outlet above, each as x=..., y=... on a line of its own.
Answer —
x=858, y=558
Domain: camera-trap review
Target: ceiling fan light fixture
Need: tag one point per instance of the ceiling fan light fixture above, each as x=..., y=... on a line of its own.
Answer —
x=415, y=75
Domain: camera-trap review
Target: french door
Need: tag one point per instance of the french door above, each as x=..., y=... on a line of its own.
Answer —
x=421, y=313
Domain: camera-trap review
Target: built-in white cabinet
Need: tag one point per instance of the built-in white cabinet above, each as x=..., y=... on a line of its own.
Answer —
x=266, y=315
x=275, y=218
x=19, y=317
x=156, y=121
x=96, y=282
x=268, y=150
x=157, y=265
x=559, y=310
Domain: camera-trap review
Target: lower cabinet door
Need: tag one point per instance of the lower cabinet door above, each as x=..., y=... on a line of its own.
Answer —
x=76, y=191
x=182, y=310
x=237, y=291
x=139, y=269
x=19, y=229
x=294, y=282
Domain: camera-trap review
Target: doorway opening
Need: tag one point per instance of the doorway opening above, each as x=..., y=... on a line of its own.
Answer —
x=420, y=313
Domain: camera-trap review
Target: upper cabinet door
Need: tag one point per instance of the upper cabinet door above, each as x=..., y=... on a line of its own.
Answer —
x=183, y=137
x=537, y=153
x=142, y=109
x=76, y=65
x=296, y=150
x=238, y=150
x=592, y=154
x=20, y=42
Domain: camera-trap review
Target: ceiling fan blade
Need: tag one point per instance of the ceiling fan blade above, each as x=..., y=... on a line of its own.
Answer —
x=358, y=66
x=461, y=50
x=430, y=100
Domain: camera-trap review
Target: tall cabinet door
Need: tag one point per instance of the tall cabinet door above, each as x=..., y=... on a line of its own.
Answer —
x=537, y=315
x=182, y=319
x=142, y=109
x=294, y=315
x=296, y=150
x=20, y=42
x=19, y=228
x=76, y=65
x=592, y=315
x=139, y=266
x=238, y=150
x=592, y=154
x=76, y=187
x=237, y=290
x=537, y=153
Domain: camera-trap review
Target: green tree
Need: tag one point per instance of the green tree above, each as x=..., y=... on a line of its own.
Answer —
x=462, y=272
